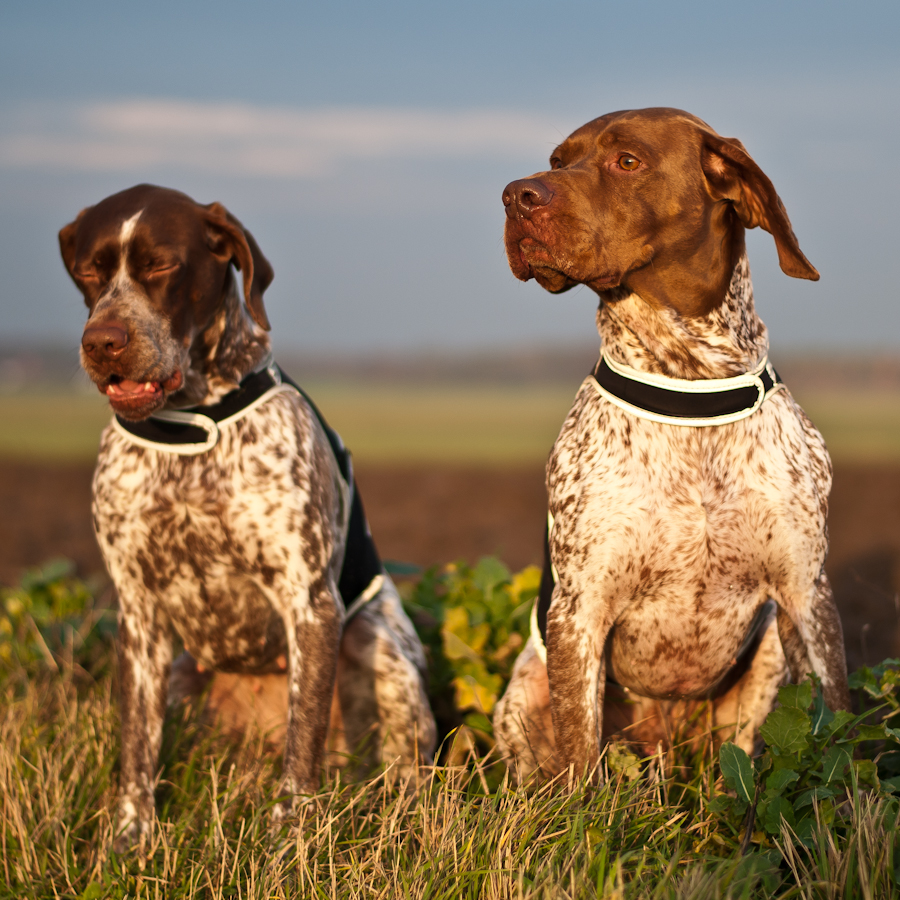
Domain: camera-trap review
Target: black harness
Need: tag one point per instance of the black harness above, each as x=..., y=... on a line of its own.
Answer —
x=361, y=560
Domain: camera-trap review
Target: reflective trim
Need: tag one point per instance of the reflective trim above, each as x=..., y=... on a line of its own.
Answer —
x=198, y=420
x=549, y=532
x=686, y=386
x=536, y=638
x=268, y=395
x=372, y=591
x=204, y=423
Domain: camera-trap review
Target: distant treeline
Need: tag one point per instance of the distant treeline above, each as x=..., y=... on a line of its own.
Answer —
x=54, y=366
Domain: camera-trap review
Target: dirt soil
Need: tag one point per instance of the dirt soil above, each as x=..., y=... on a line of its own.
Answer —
x=427, y=514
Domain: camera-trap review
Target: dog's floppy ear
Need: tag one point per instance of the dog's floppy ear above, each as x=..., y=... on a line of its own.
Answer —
x=68, y=237
x=734, y=176
x=228, y=239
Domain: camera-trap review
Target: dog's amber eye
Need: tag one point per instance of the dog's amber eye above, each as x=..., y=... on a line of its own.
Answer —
x=555, y=162
x=628, y=163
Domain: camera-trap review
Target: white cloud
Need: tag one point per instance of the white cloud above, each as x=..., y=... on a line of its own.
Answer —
x=243, y=139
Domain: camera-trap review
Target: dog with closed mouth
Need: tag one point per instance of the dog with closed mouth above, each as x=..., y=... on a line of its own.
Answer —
x=225, y=507
x=688, y=492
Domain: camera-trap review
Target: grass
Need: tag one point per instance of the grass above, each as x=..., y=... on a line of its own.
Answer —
x=387, y=422
x=442, y=837
x=657, y=829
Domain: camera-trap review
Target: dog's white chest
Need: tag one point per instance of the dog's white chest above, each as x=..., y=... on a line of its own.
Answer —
x=212, y=539
x=678, y=535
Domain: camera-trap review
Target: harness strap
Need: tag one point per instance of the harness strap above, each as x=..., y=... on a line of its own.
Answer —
x=194, y=431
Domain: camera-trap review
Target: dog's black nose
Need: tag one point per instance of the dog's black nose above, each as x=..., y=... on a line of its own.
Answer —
x=104, y=341
x=523, y=197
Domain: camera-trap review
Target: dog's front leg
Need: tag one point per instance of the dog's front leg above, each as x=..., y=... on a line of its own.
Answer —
x=576, y=667
x=145, y=657
x=313, y=635
x=810, y=630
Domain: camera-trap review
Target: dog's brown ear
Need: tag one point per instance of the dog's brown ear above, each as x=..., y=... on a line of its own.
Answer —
x=734, y=176
x=68, y=237
x=228, y=238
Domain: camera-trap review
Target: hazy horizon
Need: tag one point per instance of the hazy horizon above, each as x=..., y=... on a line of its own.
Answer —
x=367, y=148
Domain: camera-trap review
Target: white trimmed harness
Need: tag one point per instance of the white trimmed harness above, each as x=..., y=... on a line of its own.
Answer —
x=213, y=430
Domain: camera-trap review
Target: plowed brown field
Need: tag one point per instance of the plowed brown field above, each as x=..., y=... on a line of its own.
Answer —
x=436, y=513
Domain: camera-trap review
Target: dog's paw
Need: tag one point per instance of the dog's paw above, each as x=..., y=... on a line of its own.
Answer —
x=132, y=832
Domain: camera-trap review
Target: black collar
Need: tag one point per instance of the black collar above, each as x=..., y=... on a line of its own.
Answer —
x=677, y=401
x=160, y=429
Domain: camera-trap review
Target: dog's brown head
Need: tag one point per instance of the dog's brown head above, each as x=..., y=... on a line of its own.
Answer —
x=650, y=200
x=155, y=271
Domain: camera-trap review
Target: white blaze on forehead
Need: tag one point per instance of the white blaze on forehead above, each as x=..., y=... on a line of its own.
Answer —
x=125, y=235
x=127, y=229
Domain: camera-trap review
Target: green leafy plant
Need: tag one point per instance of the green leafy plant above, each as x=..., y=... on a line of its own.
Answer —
x=815, y=760
x=52, y=619
x=473, y=621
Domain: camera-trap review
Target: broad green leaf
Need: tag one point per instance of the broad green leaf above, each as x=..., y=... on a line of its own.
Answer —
x=822, y=715
x=796, y=696
x=720, y=804
x=842, y=721
x=480, y=722
x=891, y=785
x=455, y=648
x=456, y=619
x=623, y=762
x=478, y=637
x=833, y=764
x=866, y=773
x=872, y=732
x=778, y=809
x=488, y=574
x=817, y=793
x=870, y=678
x=779, y=780
x=471, y=694
x=804, y=827
x=826, y=811
x=785, y=730
x=737, y=769
x=458, y=636
x=525, y=585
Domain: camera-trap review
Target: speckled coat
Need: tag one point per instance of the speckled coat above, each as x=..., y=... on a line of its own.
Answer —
x=667, y=540
x=238, y=549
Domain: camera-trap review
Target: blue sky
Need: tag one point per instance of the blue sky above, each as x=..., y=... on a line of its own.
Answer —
x=366, y=146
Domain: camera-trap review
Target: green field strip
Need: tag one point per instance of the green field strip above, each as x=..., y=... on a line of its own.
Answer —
x=858, y=426
x=438, y=423
x=52, y=426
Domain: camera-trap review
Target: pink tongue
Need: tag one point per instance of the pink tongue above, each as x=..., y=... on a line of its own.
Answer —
x=126, y=386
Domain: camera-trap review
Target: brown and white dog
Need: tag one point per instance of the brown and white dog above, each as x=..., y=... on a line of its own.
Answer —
x=668, y=541
x=237, y=544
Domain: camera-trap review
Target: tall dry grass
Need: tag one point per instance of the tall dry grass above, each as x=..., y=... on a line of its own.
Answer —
x=443, y=835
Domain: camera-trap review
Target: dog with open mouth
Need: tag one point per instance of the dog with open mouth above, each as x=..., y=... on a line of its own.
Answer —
x=226, y=509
